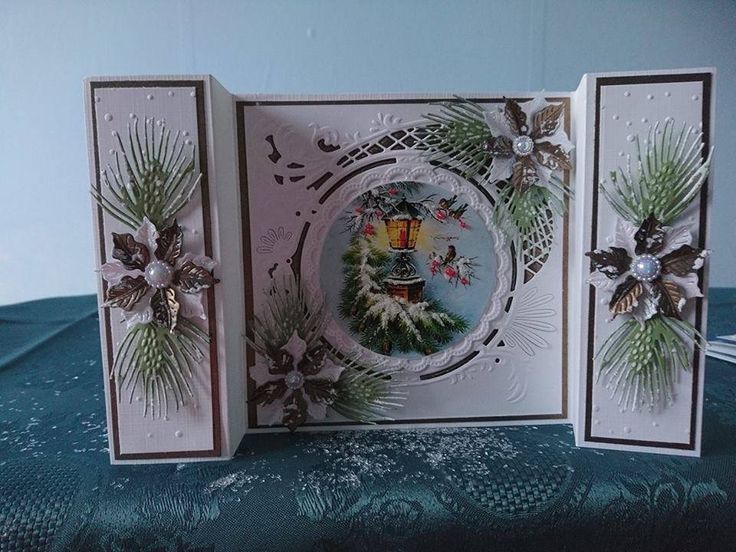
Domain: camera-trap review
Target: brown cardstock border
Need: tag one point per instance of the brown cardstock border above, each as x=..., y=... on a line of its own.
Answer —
x=198, y=86
x=248, y=269
x=706, y=79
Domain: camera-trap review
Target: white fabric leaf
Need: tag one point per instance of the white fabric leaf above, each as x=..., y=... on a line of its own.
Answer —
x=296, y=347
x=624, y=236
x=603, y=282
x=501, y=168
x=114, y=271
x=139, y=315
x=147, y=234
x=497, y=124
x=316, y=410
x=260, y=374
x=674, y=238
x=191, y=305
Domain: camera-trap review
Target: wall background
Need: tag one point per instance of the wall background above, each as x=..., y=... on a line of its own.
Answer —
x=309, y=46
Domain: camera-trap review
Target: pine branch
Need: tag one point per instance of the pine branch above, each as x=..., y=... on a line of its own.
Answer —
x=456, y=137
x=160, y=362
x=668, y=175
x=156, y=179
x=639, y=363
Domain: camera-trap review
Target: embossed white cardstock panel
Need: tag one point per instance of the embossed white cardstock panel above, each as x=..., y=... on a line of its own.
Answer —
x=620, y=106
x=304, y=160
x=209, y=425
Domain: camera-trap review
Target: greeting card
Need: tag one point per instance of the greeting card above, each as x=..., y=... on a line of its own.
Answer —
x=274, y=263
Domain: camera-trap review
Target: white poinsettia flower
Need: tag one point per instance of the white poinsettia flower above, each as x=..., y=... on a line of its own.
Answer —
x=650, y=269
x=528, y=144
x=295, y=382
x=151, y=280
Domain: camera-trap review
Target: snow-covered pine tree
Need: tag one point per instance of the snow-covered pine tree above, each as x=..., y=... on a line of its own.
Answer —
x=384, y=322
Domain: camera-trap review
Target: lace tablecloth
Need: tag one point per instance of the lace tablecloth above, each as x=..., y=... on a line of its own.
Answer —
x=514, y=488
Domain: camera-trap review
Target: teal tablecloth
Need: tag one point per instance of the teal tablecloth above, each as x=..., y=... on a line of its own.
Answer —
x=522, y=488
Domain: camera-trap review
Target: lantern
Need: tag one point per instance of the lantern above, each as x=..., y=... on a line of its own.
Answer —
x=403, y=226
x=403, y=229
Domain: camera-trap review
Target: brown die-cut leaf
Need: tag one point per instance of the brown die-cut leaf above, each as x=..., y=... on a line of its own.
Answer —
x=552, y=156
x=671, y=297
x=295, y=411
x=192, y=278
x=547, y=120
x=626, y=296
x=282, y=361
x=313, y=361
x=515, y=117
x=169, y=243
x=500, y=146
x=683, y=260
x=269, y=392
x=612, y=263
x=165, y=307
x=134, y=255
x=126, y=293
x=649, y=237
x=524, y=174
x=320, y=390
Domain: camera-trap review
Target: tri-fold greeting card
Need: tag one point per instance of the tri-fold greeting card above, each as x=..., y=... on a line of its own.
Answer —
x=281, y=263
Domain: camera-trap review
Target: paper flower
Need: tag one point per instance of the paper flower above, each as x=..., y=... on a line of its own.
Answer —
x=295, y=382
x=651, y=269
x=528, y=145
x=150, y=265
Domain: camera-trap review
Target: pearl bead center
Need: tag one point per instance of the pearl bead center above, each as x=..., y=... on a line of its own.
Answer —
x=294, y=380
x=159, y=274
x=646, y=268
x=523, y=145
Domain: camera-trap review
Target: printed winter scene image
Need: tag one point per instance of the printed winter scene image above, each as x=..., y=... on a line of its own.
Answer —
x=408, y=269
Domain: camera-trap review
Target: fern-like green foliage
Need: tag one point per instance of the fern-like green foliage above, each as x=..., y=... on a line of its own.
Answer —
x=287, y=310
x=458, y=137
x=366, y=395
x=639, y=363
x=363, y=393
x=161, y=362
x=156, y=178
x=527, y=215
x=667, y=176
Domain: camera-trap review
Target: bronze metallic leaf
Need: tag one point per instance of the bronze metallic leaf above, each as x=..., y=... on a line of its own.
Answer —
x=552, y=156
x=282, y=362
x=295, y=410
x=165, y=307
x=269, y=392
x=515, y=117
x=547, y=120
x=169, y=243
x=126, y=293
x=683, y=260
x=626, y=296
x=612, y=262
x=524, y=174
x=649, y=237
x=500, y=146
x=313, y=361
x=134, y=255
x=320, y=390
x=192, y=278
x=671, y=297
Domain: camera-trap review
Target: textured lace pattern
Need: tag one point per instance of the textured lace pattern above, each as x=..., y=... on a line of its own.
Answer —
x=515, y=488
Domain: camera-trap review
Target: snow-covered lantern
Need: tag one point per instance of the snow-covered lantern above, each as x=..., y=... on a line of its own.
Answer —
x=403, y=226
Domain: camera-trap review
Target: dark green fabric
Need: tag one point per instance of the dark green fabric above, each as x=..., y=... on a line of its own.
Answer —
x=516, y=488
